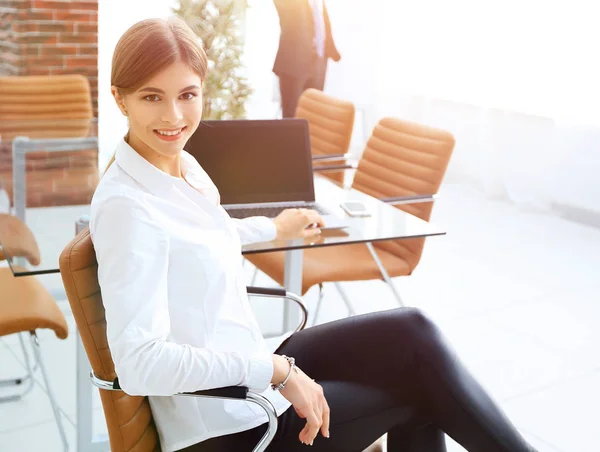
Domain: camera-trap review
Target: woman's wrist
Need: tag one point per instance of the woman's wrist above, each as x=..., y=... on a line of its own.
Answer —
x=292, y=368
x=281, y=368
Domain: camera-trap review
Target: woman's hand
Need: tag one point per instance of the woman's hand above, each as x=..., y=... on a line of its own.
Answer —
x=309, y=402
x=294, y=224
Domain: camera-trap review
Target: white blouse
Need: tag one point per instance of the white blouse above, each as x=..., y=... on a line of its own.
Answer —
x=177, y=313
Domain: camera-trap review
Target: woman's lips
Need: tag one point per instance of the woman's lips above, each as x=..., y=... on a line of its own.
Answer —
x=170, y=137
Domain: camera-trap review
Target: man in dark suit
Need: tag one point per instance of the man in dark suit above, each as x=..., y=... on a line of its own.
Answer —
x=305, y=46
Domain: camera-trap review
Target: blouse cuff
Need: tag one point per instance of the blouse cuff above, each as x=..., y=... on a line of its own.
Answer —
x=259, y=372
x=270, y=230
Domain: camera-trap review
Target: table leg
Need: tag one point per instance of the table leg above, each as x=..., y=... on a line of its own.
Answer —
x=293, y=283
x=19, y=179
x=84, y=398
x=85, y=410
x=19, y=187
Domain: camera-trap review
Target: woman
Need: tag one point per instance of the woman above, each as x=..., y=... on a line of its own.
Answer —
x=178, y=317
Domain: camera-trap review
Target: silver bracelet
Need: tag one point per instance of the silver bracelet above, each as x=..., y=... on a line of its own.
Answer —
x=293, y=367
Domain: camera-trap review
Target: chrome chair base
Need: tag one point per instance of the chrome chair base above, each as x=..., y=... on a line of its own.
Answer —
x=25, y=381
x=28, y=380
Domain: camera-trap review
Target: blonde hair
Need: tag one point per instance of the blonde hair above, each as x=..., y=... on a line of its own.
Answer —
x=150, y=46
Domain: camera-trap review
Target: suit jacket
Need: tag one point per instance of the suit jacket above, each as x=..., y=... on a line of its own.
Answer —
x=296, y=43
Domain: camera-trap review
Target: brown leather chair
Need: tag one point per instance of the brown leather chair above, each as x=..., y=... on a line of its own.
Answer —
x=330, y=123
x=26, y=306
x=49, y=107
x=403, y=164
x=128, y=418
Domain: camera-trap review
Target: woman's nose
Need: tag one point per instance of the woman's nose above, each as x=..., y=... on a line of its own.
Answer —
x=172, y=113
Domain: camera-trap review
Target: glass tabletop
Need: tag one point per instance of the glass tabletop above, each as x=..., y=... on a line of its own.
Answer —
x=385, y=223
x=54, y=227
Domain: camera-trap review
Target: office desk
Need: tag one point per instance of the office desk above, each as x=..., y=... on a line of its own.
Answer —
x=386, y=223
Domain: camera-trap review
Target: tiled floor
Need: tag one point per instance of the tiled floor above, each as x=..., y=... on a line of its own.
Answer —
x=517, y=293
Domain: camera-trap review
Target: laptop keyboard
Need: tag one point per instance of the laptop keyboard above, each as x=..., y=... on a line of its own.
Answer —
x=269, y=212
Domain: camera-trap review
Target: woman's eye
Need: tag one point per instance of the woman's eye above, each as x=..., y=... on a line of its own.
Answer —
x=188, y=96
x=152, y=98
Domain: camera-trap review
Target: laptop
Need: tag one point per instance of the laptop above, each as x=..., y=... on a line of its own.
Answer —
x=261, y=167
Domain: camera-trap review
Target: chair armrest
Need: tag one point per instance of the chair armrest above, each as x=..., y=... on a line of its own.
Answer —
x=340, y=167
x=330, y=157
x=276, y=292
x=17, y=240
x=267, y=291
x=230, y=392
x=412, y=199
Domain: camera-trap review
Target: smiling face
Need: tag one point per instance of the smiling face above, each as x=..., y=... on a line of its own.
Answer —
x=163, y=113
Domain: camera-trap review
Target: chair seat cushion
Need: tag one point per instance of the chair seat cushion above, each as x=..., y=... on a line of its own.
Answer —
x=333, y=264
x=25, y=305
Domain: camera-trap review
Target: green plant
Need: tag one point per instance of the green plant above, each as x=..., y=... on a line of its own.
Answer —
x=218, y=25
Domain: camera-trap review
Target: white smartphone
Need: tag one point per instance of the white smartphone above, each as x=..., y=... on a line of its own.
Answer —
x=355, y=209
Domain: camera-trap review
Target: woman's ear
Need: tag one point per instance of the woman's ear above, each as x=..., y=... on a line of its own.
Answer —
x=118, y=99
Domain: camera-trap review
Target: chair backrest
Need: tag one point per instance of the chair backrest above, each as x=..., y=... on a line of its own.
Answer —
x=63, y=99
x=129, y=419
x=66, y=96
x=17, y=240
x=403, y=158
x=330, y=123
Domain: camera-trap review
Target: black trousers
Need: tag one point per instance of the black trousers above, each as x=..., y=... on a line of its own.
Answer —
x=389, y=371
x=291, y=86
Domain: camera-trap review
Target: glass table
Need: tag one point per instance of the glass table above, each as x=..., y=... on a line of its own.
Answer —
x=54, y=227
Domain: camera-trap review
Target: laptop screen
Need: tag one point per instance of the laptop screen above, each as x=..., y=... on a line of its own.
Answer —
x=256, y=161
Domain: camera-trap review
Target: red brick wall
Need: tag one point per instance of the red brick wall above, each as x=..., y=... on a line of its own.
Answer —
x=44, y=37
x=10, y=60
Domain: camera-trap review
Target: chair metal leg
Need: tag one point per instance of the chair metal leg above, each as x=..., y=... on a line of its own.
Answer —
x=351, y=311
x=28, y=378
x=26, y=355
x=38, y=354
x=266, y=405
x=319, y=300
x=384, y=273
x=254, y=275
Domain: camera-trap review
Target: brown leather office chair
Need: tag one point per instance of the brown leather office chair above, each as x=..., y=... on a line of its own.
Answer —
x=49, y=107
x=330, y=123
x=26, y=306
x=403, y=164
x=128, y=418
